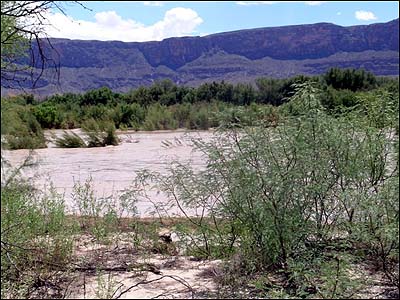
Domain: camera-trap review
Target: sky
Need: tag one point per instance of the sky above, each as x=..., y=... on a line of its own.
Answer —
x=138, y=21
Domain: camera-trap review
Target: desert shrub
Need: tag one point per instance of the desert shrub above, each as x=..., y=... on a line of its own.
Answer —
x=69, y=121
x=100, y=134
x=101, y=215
x=128, y=115
x=329, y=281
x=99, y=96
x=181, y=113
x=277, y=193
x=110, y=135
x=70, y=140
x=199, y=118
x=94, y=135
x=20, y=128
x=379, y=108
x=336, y=100
x=35, y=234
x=48, y=115
x=158, y=117
x=97, y=112
x=137, y=115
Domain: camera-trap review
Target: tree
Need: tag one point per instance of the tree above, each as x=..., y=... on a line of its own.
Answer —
x=102, y=95
x=243, y=94
x=350, y=79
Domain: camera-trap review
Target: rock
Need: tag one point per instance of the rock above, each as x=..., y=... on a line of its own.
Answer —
x=168, y=236
x=165, y=235
x=174, y=237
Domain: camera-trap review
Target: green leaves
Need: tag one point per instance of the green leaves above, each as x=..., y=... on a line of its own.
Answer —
x=295, y=193
x=13, y=43
x=70, y=140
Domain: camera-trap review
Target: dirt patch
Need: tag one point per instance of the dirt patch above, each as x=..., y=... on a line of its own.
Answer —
x=376, y=285
x=119, y=270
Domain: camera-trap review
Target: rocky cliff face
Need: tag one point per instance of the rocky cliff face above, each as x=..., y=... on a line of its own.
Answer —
x=282, y=43
x=232, y=56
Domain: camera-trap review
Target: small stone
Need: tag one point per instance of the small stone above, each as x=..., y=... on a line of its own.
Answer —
x=165, y=235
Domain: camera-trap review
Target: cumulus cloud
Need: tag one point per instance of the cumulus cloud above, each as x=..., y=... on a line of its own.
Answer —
x=363, y=15
x=248, y=3
x=314, y=3
x=108, y=25
x=153, y=3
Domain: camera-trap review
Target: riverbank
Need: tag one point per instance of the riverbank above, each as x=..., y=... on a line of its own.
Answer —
x=143, y=258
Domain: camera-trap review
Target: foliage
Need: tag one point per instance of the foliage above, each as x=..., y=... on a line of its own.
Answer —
x=100, y=135
x=70, y=140
x=13, y=43
x=159, y=118
x=165, y=105
x=34, y=232
x=20, y=128
x=300, y=191
x=277, y=194
x=99, y=96
x=128, y=115
x=350, y=79
x=47, y=115
x=110, y=137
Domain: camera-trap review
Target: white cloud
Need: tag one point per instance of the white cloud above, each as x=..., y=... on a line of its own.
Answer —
x=314, y=3
x=248, y=3
x=339, y=13
x=153, y=3
x=363, y=15
x=108, y=25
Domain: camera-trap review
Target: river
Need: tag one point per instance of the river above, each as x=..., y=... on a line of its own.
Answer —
x=112, y=168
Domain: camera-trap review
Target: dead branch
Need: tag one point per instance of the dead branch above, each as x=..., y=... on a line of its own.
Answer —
x=176, y=278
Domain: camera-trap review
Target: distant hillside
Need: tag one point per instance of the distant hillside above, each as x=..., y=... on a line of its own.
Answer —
x=232, y=56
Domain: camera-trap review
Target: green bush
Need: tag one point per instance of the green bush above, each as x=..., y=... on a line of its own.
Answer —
x=70, y=140
x=128, y=115
x=100, y=134
x=20, y=128
x=278, y=193
x=181, y=113
x=110, y=137
x=97, y=112
x=158, y=117
x=34, y=234
x=336, y=100
x=199, y=118
x=48, y=115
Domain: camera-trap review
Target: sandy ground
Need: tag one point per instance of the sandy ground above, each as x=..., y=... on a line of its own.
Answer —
x=120, y=271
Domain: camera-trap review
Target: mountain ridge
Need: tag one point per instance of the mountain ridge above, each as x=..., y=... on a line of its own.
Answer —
x=307, y=49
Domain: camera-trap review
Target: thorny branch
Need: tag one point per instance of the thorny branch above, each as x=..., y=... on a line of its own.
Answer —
x=174, y=277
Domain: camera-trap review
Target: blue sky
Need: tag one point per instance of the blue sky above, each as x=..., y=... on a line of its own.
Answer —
x=156, y=20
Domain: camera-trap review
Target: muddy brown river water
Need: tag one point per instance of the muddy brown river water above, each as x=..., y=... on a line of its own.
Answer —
x=111, y=168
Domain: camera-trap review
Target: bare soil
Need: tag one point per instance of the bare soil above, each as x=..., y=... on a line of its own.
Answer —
x=119, y=270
